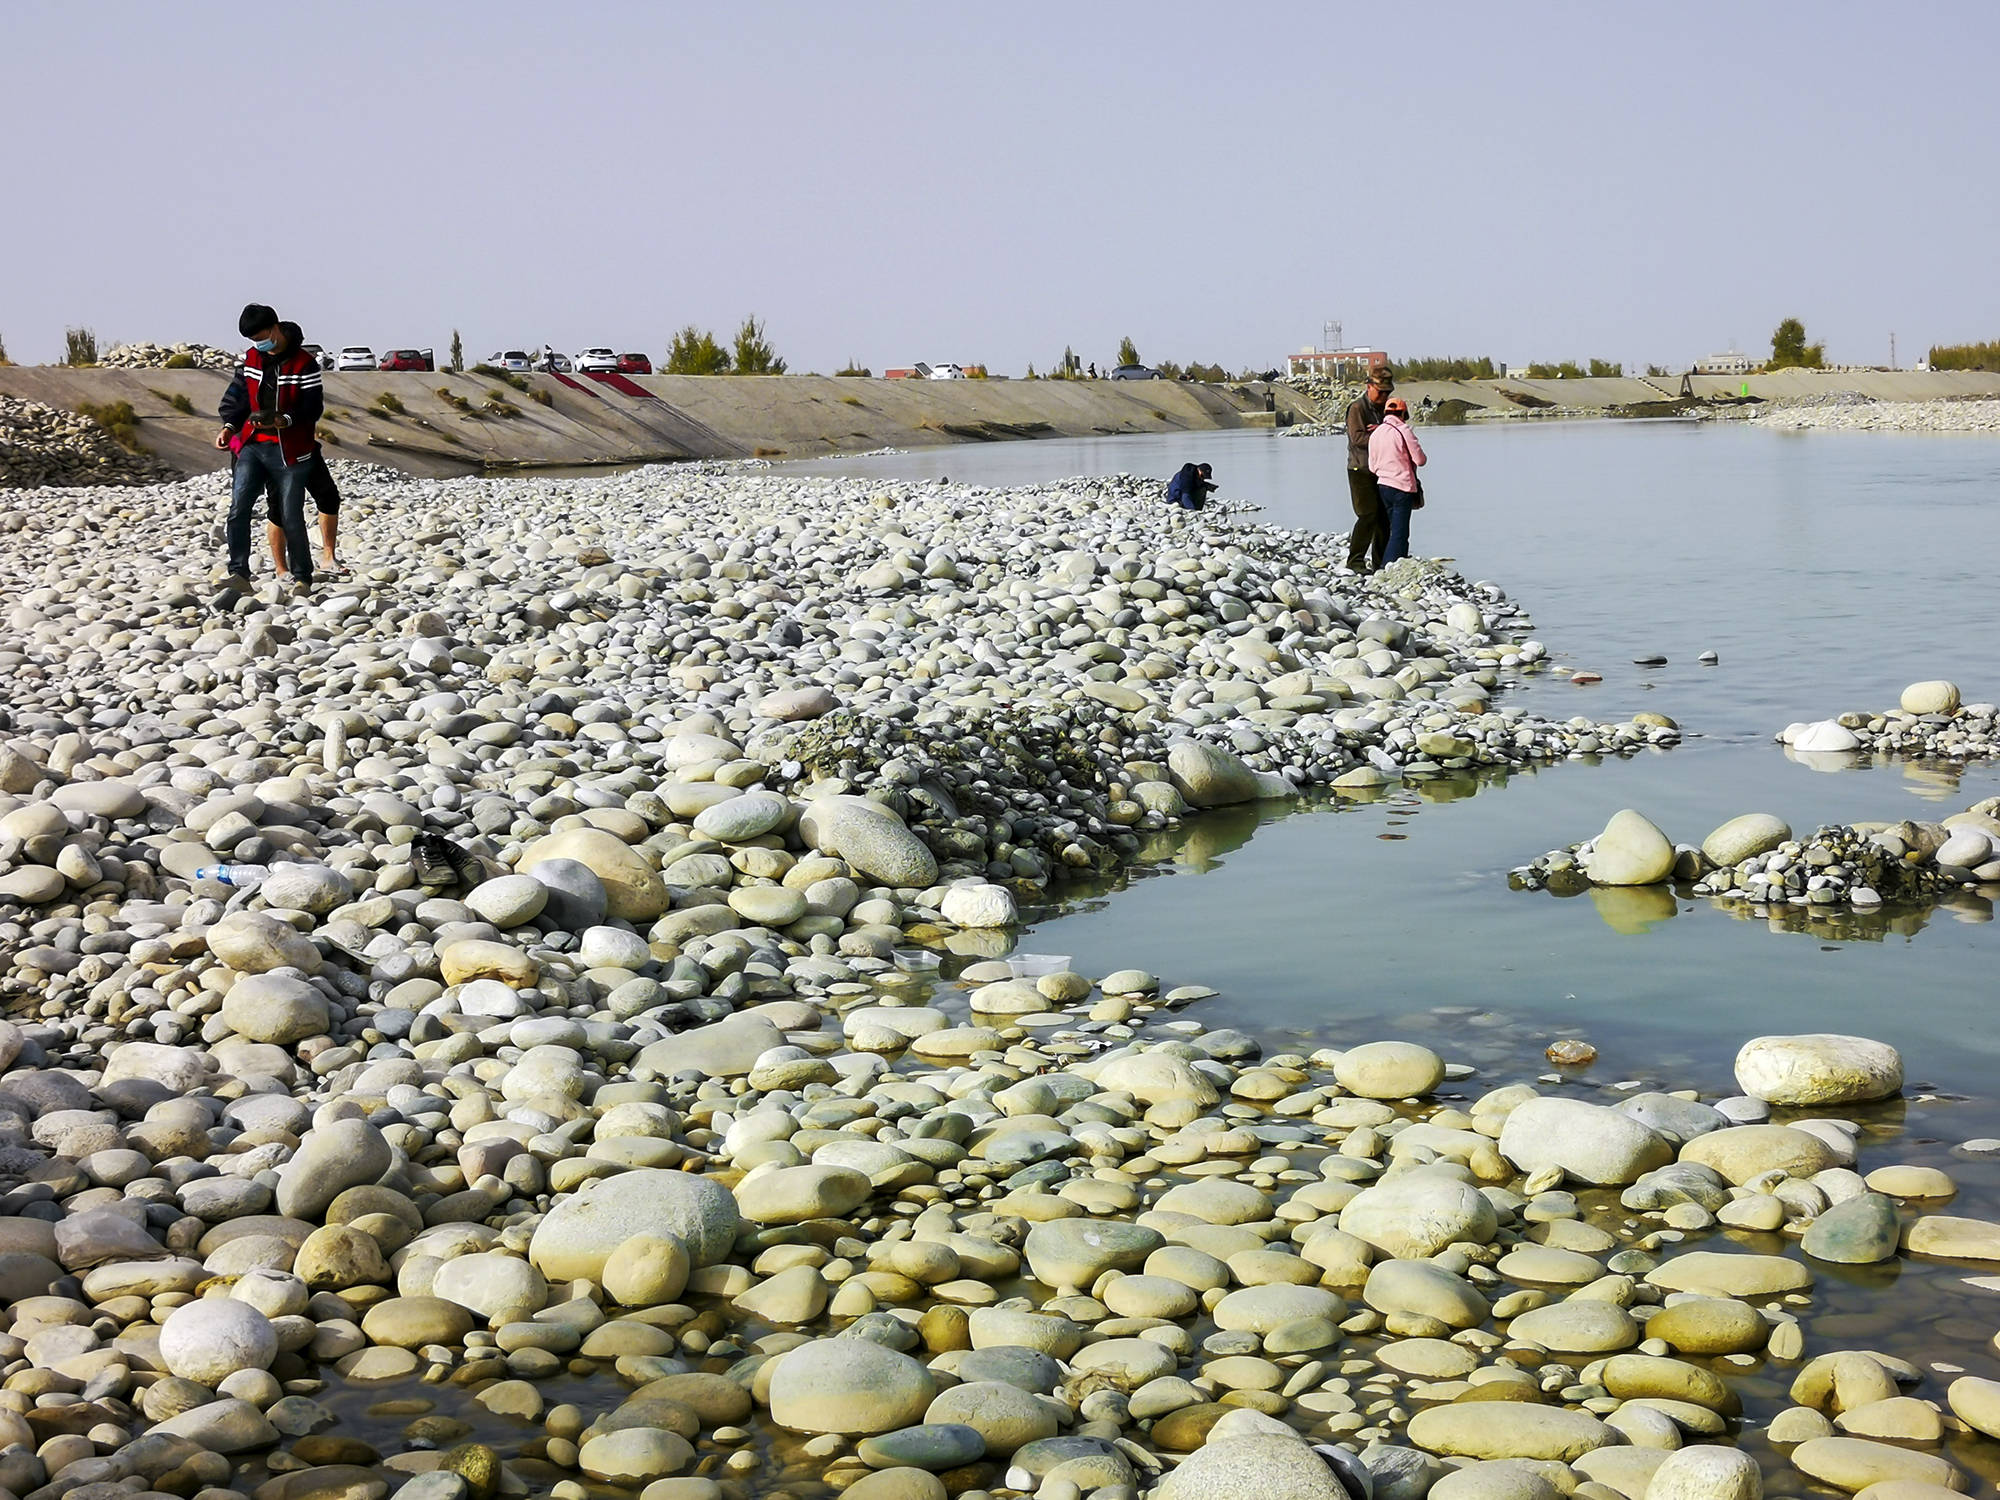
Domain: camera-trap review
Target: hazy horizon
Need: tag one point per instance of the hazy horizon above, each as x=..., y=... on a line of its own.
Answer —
x=896, y=182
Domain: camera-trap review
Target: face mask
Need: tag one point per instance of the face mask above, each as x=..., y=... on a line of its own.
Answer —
x=265, y=346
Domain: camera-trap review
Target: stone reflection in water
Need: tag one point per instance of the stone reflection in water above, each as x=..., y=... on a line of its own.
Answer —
x=1633, y=909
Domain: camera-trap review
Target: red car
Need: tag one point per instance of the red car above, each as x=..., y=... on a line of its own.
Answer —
x=408, y=359
x=634, y=364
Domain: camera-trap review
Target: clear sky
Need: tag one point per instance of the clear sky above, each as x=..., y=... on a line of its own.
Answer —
x=894, y=181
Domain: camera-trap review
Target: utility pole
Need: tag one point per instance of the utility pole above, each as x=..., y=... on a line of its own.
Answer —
x=1892, y=348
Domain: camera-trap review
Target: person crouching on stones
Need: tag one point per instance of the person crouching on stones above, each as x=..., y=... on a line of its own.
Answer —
x=1191, y=486
x=270, y=413
x=1394, y=456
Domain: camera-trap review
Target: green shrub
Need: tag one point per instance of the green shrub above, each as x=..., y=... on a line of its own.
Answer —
x=754, y=355
x=694, y=351
x=850, y=400
x=116, y=418
x=79, y=346
x=181, y=361
x=854, y=367
x=389, y=403
x=177, y=400
x=505, y=377
x=452, y=398
x=541, y=397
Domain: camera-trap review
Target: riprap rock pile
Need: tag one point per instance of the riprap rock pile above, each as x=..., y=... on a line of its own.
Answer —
x=44, y=445
x=148, y=356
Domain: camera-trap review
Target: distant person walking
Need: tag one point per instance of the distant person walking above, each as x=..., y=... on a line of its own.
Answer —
x=270, y=412
x=1371, y=524
x=1394, y=456
x=325, y=495
x=1191, y=486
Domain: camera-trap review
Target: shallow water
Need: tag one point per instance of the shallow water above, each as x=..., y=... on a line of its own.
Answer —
x=1828, y=570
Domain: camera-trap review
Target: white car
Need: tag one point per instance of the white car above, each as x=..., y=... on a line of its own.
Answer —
x=598, y=362
x=354, y=357
x=511, y=359
x=560, y=363
x=946, y=372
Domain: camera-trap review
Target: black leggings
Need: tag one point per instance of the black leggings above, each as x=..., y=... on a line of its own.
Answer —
x=319, y=485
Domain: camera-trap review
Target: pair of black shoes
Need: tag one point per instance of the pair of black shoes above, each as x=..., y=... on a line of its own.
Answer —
x=440, y=863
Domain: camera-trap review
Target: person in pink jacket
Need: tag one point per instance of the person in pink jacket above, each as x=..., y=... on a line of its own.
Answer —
x=1394, y=456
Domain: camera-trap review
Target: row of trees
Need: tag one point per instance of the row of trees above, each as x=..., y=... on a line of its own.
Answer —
x=1965, y=356
x=694, y=351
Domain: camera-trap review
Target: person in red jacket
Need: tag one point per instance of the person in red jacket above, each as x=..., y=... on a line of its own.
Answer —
x=320, y=489
x=270, y=413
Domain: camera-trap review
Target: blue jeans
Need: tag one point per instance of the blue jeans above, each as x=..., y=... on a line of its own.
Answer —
x=1397, y=503
x=257, y=465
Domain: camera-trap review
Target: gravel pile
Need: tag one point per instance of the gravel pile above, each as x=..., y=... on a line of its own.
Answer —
x=145, y=356
x=45, y=445
x=1861, y=414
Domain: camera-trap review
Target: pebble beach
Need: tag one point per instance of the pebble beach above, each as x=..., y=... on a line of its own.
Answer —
x=545, y=1015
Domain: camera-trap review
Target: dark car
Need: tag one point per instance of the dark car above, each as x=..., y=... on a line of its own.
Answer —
x=634, y=364
x=1135, y=372
x=408, y=359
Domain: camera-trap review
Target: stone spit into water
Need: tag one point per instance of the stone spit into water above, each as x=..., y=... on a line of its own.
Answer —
x=624, y=1080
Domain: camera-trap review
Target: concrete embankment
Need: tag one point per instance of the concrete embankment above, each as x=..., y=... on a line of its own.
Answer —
x=1516, y=397
x=445, y=423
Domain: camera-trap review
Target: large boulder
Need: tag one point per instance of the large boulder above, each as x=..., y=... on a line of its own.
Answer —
x=275, y=1008
x=1630, y=851
x=1210, y=776
x=728, y=1048
x=1589, y=1142
x=633, y=890
x=1745, y=1152
x=580, y=1232
x=252, y=942
x=1817, y=1068
x=210, y=1339
x=849, y=1386
x=333, y=1158
x=1415, y=1214
x=1744, y=838
x=871, y=838
x=1255, y=1464
x=795, y=1195
x=1508, y=1429
x=1933, y=697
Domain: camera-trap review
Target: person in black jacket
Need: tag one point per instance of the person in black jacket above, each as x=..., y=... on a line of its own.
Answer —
x=324, y=493
x=270, y=413
x=1191, y=486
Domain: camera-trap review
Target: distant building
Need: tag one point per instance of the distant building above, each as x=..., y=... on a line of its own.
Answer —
x=1335, y=363
x=1731, y=363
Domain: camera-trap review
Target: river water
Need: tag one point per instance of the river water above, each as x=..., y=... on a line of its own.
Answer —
x=1827, y=570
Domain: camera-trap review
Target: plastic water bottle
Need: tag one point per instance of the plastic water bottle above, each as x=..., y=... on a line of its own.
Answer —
x=246, y=876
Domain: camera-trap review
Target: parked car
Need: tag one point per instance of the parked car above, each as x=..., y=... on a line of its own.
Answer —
x=355, y=357
x=1136, y=372
x=599, y=361
x=945, y=372
x=408, y=359
x=634, y=364
x=511, y=359
x=320, y=356
x=558, y=363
